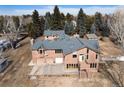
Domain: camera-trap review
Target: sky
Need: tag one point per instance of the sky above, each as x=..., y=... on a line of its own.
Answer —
x=42, y=9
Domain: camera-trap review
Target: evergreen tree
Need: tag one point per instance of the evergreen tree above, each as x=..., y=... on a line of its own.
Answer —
x=42, y=20
x=56, y=20
x=98, y=20
x=69, y=25
x=81, y=23
x=89, y=21
x=30, y=29
x=105, y=28
x=37, y=24
x=69, y=28
x=69, y=17
x=47, y=20
x=101, y=24
x=63, y=19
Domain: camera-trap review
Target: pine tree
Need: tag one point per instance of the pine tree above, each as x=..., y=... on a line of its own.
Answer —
x=89, y=21
x=81, y=23
x=105, y=28
x=69, y=17
x=69, y=26
x=56, y=20
x=63, y=19
x=47, y=20
x=98, y=20
x=101, y=24
x=30, y=29
x=42, y=20
x=37, y=24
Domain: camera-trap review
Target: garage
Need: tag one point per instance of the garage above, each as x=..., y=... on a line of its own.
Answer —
x=58, y=60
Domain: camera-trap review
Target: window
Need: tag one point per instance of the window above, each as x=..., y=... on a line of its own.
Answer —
x=87, y=50
x=87, y=56
x=74, y=56
x=96, y=56
x=75, y=66
x=58, y=51
x=67, y=65
x=81, y=57
x=41, y=51
x=93, y=65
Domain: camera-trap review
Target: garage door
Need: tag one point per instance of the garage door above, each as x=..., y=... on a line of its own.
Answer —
x=59, y=60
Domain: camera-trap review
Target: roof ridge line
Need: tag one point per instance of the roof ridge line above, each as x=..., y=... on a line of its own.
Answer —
x=80, y=41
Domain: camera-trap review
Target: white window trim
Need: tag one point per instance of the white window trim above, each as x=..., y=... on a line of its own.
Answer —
x=80, y=57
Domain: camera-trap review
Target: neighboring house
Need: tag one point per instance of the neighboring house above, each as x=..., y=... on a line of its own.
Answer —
x=73, y=52
x=91, y=37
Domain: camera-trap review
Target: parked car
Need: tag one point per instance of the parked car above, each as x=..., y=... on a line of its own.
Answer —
x=4, y=45
x=3, y=64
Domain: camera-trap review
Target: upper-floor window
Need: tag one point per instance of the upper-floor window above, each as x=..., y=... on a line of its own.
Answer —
x=87, y=50
x=41, y=51
x=96, y=56
x=74, y=56
x=81, y=57
x=87, y=56
x=58, y=51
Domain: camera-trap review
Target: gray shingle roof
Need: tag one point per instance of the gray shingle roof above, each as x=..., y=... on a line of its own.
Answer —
x=68, y=45
x=51, y=32
x=91, y=36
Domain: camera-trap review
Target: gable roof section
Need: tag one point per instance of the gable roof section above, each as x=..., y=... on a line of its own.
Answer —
x=91, y=44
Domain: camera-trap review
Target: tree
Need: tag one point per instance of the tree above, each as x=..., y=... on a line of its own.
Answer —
x=37, y=24
x=1, y=23
x=69, y=17
x=56, y=20
x=16, y=21
x=81, y=23
x=116, y=25
x=69, y=25
x=30, y=29
x=98, y=20
x=42, y=21
x=89, y=21
x=114, y=71
x=101, y=24
x=63, y=19
x=47, y=20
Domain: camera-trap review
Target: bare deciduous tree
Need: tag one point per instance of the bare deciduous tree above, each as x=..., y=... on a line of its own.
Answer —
x=116, y=25
x=114, y=72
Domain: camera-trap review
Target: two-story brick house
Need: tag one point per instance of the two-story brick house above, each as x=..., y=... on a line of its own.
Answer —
x=73, y=52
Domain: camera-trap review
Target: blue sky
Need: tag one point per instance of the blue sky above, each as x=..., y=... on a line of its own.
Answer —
x=73, y=9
